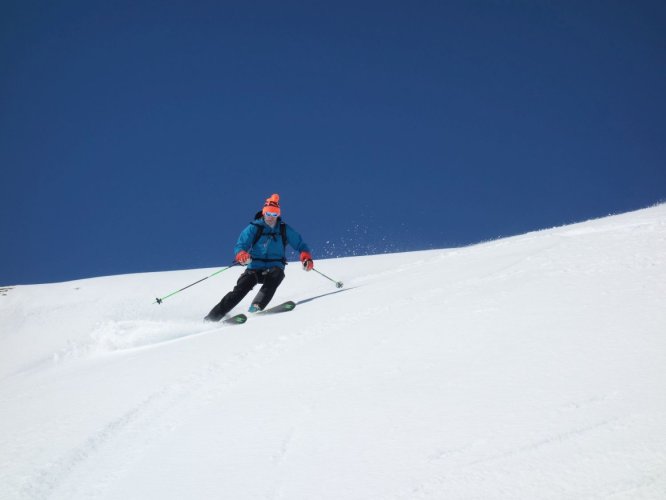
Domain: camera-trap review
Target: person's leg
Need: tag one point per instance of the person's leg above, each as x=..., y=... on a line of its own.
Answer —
x=245, y=283
x=271, y=279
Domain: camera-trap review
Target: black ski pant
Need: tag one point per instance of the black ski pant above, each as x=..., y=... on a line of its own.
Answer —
x=270, y=280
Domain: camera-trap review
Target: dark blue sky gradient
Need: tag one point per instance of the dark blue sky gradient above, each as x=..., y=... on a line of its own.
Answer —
x=142, y=136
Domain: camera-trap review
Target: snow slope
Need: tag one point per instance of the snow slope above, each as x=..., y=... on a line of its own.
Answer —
x=532, y=367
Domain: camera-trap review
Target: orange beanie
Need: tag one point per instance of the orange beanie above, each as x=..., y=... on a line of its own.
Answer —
x=272, y=204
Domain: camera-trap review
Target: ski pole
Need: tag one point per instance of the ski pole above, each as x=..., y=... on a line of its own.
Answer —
x=338, y=284
x=159, y=300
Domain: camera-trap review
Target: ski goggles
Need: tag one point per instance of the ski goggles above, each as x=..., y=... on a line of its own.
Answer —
x=271, y=214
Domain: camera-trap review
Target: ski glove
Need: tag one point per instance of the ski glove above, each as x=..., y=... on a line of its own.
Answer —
x=306, y=259
x=243, y=258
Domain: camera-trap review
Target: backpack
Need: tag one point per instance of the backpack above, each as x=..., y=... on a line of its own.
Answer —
x=260, y=232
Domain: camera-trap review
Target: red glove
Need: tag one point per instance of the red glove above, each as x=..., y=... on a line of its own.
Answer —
x=306, y=259
x=243, y=258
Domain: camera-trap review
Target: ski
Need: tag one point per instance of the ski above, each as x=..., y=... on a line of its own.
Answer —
x=238, y=319
x=280, y=308
x=241, y=318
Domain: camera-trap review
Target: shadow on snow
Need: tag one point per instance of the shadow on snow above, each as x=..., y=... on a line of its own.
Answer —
x=305, y=301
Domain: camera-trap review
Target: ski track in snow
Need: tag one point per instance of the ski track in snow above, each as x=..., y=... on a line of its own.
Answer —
x=136, y=428
x=131, y=432
x=508, y=461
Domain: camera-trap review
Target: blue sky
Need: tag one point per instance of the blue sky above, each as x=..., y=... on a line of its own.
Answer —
x=142, y=136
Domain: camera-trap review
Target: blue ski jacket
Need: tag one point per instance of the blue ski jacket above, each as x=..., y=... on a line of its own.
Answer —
x=269, y=250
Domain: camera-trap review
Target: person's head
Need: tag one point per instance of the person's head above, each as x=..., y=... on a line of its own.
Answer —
x=271, y=210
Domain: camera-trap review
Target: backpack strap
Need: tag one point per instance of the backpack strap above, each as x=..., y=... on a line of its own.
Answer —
x=283, y=232
x=260, y=231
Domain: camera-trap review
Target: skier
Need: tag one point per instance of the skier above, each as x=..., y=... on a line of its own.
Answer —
x=261, y=247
